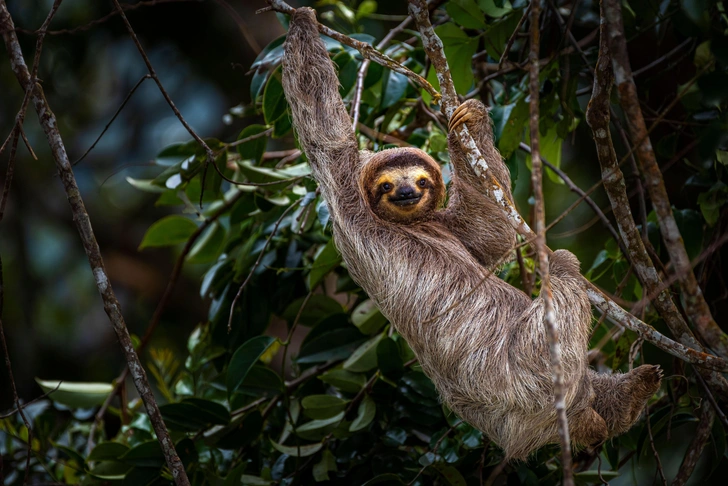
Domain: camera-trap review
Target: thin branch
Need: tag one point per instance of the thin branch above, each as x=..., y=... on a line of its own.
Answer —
x=9, y=367
x=695, y=449
x=577, y=190
x=257, y=262
x=366, y=50
x=695, y=305
x=539, y=212
x=118, y=111
x=153, y=74
x=513, y=36
x=81, y=218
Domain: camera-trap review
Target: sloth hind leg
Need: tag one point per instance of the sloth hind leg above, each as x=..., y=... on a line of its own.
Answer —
x=588, y=428
x=620, y=398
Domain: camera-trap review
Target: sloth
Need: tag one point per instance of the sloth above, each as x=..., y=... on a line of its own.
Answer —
x=427, y=267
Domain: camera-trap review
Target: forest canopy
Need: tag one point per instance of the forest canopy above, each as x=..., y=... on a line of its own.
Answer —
x=230, y=345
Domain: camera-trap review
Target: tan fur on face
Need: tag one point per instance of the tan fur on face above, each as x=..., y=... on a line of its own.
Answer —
x=402, y=168
x=480, y=340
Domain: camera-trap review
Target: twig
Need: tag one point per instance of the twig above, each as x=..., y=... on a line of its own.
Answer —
x=433, y=47
x=695, y=449
x=81, y=218
x=589, y=201
x=162, y=305
x=366, y=50
x=257, y=262
x=153, y=74
x=9, y=366
x=552, y=333
x=118, y=111
x=513, y=36
x=695, y=305
x=711, y=399
x=658, y=462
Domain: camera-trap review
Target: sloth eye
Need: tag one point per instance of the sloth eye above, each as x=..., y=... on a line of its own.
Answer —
x=386, y=187
x=422, y=182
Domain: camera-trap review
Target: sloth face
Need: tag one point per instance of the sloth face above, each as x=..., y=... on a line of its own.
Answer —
x=403, y=185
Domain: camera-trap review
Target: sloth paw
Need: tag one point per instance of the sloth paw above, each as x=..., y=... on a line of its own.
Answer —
x=470, y=110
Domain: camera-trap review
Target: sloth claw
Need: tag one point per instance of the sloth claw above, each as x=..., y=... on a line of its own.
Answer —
x=461, y=115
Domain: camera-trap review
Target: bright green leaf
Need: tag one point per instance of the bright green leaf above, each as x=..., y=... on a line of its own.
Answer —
x=76, y=394
x=243, y=360
x=365, y=357
x=168, y=231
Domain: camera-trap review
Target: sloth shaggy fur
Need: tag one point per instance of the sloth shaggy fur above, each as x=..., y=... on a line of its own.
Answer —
x=480, y=340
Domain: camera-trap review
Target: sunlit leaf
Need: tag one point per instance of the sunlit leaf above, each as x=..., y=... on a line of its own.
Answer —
x=168, y=231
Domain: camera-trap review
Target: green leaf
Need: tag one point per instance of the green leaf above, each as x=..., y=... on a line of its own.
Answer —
x=365, y=357
x=336, y=344
x=316, y=426
x=509, y=125
x=459, y=50
x=365, y=414
x=322, y=406
x=317, y=308
x=344, y=380
x=302, y=451
x=327, y=259
x=274, y=102
x=234, y=477
x=451, y=475
x=367, y=317
x=394, y=87
x=255, y=148
x=248, y=480
x=243, y=360
x=146, y=454
x=76, y=394
x=107, y=451
x=388, y=359
x=168, y=231
x=466, y=13
x=209, y=245
x=261, y=381
x=366, y=8
x=328, y=461
x=145, y=185
x=488, y=6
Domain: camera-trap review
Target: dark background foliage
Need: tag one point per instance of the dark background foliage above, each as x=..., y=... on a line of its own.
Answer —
x=337, y=396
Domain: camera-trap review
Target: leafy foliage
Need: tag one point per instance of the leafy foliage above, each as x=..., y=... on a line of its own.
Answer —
x=341, y=399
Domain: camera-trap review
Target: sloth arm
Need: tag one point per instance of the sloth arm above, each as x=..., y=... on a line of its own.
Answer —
x=322, y=123
x=472, y=216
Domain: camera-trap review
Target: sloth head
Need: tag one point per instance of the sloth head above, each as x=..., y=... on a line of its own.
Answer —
x=403, y=185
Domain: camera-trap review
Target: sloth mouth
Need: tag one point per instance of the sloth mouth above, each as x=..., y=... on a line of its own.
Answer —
x=405, y=201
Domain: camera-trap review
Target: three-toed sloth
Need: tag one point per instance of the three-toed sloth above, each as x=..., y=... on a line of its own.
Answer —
x=480, y=340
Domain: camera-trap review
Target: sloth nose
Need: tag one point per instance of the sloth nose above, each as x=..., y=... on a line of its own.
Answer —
x=406, y=192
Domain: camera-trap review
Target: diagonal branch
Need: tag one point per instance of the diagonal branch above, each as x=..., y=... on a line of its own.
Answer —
x=695, y=304
x=83, y=223
x=539, y=212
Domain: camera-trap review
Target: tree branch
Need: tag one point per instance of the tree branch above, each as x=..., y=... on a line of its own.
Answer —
x=81, y=218
x=598, y=117
x=365, y=49
x=552, y=333
x=695, y=304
